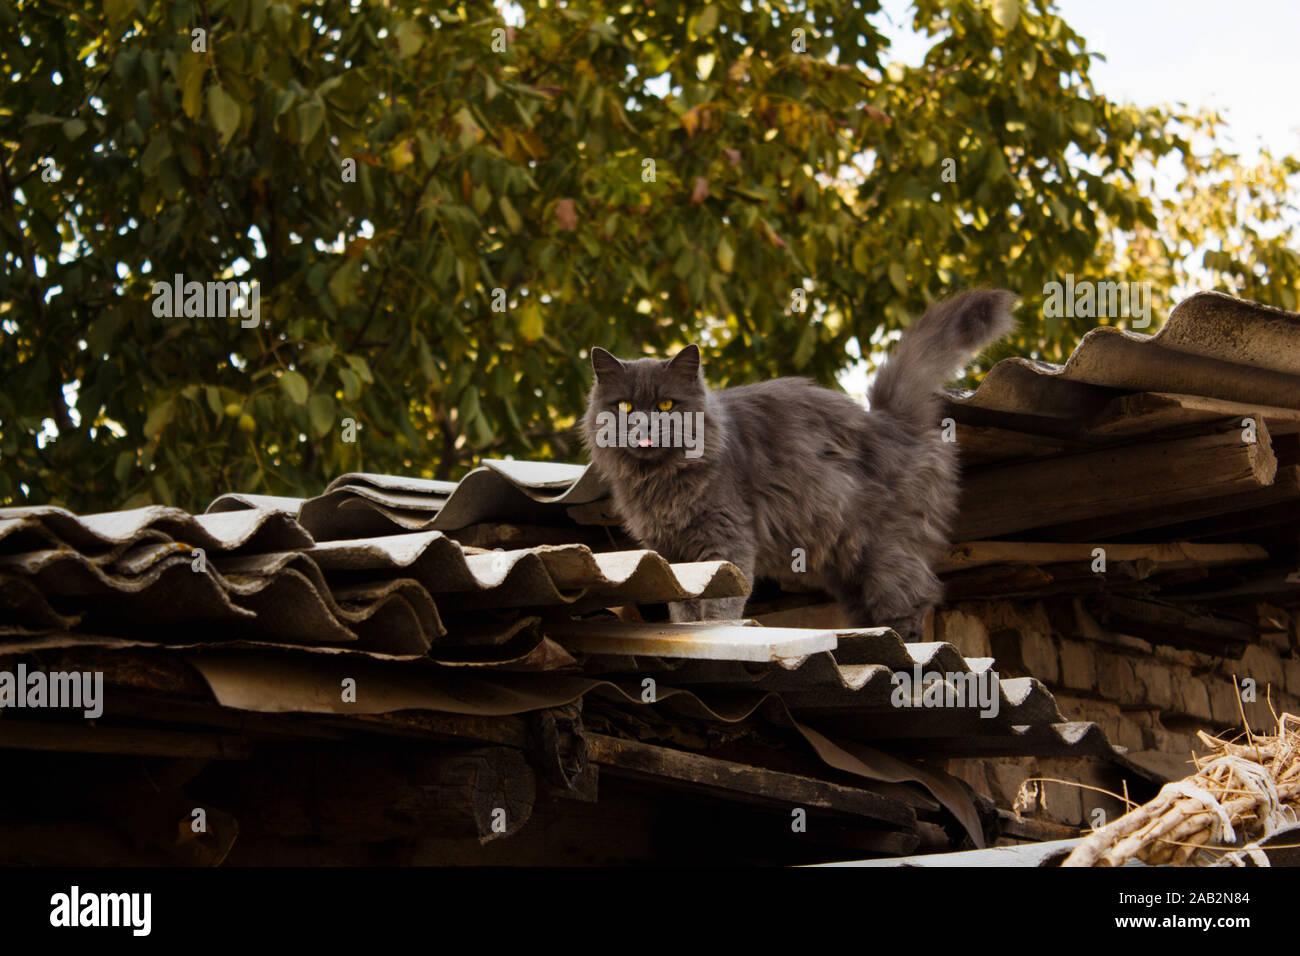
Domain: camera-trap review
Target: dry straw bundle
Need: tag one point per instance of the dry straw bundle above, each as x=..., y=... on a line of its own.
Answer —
x=1241, y=794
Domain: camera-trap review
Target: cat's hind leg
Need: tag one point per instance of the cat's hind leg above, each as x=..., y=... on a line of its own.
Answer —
x=891, y=587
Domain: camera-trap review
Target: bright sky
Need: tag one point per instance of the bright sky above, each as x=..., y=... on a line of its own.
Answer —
x=1239, y=57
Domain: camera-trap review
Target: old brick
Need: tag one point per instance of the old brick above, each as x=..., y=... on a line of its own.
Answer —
x=1155, y=685
x=1062, y=803
x=1104, y=713
x=1170, y=742
x=1261, y=664
x=1116, y=679
x=1038, y=652
x=1005, y=777
x=1191, y=696
x=1127, y=734
x=1291, y=670
x=964, y=631
x=1078, y=664
x=1224, y=708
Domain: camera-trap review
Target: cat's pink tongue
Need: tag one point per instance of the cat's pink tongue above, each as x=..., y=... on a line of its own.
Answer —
x=643, y=442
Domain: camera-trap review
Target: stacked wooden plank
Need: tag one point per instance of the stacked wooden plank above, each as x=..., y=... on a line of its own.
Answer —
x=1175, y=457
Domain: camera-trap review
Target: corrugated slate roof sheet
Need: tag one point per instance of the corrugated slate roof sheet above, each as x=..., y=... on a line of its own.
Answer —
x=425, y=623
x=271, y=599
x=1212, y=345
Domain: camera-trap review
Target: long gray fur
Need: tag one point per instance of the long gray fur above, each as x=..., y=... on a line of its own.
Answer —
x=869, y=496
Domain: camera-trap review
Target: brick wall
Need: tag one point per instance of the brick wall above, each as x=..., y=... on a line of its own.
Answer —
x=1149, y=698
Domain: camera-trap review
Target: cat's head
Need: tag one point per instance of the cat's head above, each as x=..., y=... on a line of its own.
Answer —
x=650, y=411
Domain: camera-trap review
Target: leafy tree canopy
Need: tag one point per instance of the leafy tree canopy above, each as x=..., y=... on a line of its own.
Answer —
x=442, y=213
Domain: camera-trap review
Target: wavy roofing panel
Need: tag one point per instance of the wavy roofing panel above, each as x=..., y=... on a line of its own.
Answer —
x=360, y=504
x=1212, y=345
x=845, y=678
x=252, y=529
x=547, y=575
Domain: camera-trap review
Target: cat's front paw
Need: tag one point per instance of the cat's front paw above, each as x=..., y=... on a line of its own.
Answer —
x=711, y=609
x=910, y=629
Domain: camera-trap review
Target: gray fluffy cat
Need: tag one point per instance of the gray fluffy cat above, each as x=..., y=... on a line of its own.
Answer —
x=869, y=496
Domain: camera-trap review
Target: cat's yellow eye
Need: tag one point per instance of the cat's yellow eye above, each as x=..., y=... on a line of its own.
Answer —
x=666, y=404
x=624, y=406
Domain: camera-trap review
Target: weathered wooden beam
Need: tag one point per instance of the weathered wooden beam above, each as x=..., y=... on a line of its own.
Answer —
x=1170, y=556
x=1270, y=505
x=986, y=444
x=979, y=583
x=1036, y=831
x=1278, y=585
x=1167, y=624
x=71, y=843
x=103, y=739
x=344, y=794
x=1007, y=498
x=1148, y=412
x=721, y=777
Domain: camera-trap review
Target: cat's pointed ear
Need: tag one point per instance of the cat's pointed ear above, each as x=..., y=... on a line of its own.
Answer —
x=604, y=364
x=686, y=363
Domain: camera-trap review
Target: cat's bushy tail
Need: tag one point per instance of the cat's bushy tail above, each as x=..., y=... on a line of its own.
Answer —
x=935, y=348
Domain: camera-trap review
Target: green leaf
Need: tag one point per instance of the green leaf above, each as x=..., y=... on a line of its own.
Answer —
x=803, y=351
x=351, y=384
x=320, y=410
x=705, y=23
x=223, y=110
x=1006, y=13
x=343, y=284
x=861, y=257
x=409, y=39
x=362, y=368
x=159, y=148
x=310, y=116
x=898, y=277
x=726, y=255
x=122, y=466
x=532, y=323
x=118, y=10
x=193, y=68
x=425, y=358
x=159, y=417
x=513, y=222
x=295, y=386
